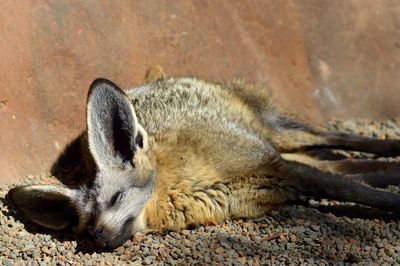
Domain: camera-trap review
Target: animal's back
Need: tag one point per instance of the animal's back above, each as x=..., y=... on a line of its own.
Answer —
x=210, y=148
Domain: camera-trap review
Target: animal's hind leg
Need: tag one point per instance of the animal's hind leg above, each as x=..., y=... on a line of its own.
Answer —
x=364, y=144
x=380, y=179
x=344, y=166
x=372, y=172
x=312, y=182
x=295, y=140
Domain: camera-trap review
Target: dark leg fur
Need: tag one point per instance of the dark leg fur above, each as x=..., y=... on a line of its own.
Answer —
x=357, y=166
x=293, y=136
x=375, y=173
x=357, y=179
x=313, y=182
x=380, y=179
x=357, y=143
x=325, y=154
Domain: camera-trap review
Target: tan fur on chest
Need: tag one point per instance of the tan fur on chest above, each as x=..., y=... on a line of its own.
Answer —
x=191, y=191
x=181, y=195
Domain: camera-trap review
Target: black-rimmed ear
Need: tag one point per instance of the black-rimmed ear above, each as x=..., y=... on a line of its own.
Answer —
x=112, y=124
x=52, y=206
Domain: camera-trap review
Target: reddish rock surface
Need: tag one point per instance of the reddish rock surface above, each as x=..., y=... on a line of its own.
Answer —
x=322, y=59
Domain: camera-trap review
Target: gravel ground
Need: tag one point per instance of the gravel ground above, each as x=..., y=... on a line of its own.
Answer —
x=317, y=232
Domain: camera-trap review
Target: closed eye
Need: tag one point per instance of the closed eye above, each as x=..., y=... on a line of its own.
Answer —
x=116, y=198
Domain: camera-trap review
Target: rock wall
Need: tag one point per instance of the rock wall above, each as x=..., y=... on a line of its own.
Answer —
x=322, y=59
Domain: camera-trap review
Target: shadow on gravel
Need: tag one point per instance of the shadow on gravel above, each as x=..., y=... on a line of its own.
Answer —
x=347, y=210
x=84, y=245
x=358, y=211
x=293, y=216
x=61, y=170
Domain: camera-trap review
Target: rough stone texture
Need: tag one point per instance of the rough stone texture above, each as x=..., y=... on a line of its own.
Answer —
x=322, y=59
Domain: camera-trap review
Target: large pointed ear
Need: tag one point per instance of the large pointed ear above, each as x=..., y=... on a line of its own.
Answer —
x=51, y=206
x=113, y=129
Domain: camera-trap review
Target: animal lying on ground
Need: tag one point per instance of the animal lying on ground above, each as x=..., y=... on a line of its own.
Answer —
x=180, y=152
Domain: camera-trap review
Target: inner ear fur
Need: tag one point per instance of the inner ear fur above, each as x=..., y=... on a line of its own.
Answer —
x=142, y=138
x=112, y=124
x=51, y=206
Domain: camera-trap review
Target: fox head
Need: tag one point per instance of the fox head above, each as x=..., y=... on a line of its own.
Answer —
x=111, y=206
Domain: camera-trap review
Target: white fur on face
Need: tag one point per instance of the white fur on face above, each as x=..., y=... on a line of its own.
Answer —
x=132, y=201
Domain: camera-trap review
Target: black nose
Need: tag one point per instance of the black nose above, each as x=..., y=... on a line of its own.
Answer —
x=99, y=233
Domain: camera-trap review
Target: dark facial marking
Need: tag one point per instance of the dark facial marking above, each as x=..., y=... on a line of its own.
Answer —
x=116, y=198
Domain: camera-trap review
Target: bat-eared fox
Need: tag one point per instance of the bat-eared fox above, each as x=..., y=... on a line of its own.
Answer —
x=180, y=152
